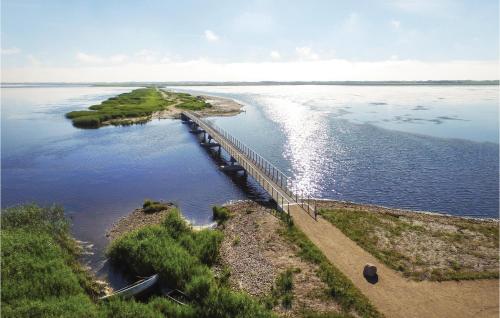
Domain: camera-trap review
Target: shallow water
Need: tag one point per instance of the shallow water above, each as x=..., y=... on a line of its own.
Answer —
x=318, y=135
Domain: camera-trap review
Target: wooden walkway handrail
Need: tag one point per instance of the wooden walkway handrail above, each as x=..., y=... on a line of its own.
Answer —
x=273, y=180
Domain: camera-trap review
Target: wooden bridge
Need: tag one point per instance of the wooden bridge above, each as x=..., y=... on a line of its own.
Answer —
x=243, y=158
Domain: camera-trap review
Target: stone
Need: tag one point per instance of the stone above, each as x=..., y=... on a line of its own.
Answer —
x=370, y=270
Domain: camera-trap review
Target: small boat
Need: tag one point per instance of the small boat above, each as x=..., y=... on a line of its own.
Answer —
x=134, y=289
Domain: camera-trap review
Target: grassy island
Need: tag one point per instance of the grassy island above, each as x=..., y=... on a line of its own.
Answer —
x=134, y=107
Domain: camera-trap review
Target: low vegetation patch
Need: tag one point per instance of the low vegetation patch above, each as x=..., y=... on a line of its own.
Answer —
x=182, y=257
x=135, y=107
x=119, y=110
x=423, y=246
x=151, y=206
x=220, y=214
x=41, y=276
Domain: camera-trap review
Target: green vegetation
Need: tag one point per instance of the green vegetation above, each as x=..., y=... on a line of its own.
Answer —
x=134, y=107
x=150, y=206
x=408, y=243
x=283, y=289
x=40, y=274
x=221, y=214
x=139, y=103
x=182, y=258
x=339, y=286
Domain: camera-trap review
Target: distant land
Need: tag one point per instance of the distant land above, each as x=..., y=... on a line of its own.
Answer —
x=199, y=83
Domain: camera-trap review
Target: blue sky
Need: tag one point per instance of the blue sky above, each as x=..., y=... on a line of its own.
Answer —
x=248, y=40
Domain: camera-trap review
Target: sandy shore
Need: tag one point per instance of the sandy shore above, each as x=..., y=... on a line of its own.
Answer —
x=220, y=107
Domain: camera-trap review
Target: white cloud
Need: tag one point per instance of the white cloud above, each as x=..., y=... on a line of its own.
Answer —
x=395, y=24
x=211, y=36
x=88, y=58
x=305, y=70
x=306, y=53
x=275, y=55
x=118, y=59
x=96, y=59
x=146, y=55
x=11, y=51
x=394, y=57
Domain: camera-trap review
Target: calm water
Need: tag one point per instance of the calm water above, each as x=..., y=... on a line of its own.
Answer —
x=425, y=148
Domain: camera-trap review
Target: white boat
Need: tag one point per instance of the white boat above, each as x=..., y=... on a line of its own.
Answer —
x=134, y=289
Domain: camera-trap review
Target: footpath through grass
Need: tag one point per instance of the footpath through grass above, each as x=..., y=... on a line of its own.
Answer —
x=421, y=246
x=134, y=107
x=339, y=286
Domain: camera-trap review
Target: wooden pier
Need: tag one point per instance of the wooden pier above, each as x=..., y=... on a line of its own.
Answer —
x=243, y=158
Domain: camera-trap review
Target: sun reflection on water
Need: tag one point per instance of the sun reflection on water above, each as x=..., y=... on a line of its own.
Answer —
x=308, y=146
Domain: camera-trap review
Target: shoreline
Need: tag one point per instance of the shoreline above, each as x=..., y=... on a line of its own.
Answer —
x=220, y=107
x=138, y=218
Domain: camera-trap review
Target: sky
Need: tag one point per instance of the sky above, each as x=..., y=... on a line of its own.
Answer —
x=250, y=40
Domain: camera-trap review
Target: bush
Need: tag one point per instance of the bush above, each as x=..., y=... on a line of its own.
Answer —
x=221, y=214
x=87, y=122
x=137, y=103
x=119, y=308
x=181, y=256
x=40, y=273
x=172, y=309
x=150, y=206
x=175, y=224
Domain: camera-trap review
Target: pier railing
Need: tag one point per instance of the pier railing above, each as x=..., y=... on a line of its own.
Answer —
x=281, y=180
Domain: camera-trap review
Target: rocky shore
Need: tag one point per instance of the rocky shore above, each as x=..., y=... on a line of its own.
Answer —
x=135, y=220
x=256, y=253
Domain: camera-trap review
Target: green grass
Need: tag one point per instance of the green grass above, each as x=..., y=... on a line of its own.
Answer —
x=141, y=102
x=40, y=273
x=182, y=258
x=283, y=289
x=362, y=226
x=138, y=105
x=151, y=206
x=220, y=214
x=339, y=286
x=41, y=276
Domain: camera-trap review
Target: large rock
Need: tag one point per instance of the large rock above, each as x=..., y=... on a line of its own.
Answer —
x=370, y=270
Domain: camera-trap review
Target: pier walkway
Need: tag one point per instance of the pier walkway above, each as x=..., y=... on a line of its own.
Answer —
x=243, y=158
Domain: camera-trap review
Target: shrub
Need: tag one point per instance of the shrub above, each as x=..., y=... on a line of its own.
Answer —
x=175, y=224
x=221, y=214
x=119, y=308
x=87, y=121
x=40, y=273
x=150, y=206
x=180, y=256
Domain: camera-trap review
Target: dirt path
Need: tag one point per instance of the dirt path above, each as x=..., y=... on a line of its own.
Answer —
x=394, y=295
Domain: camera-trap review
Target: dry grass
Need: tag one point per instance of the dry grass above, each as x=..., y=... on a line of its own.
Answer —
x=420, y=245
x=264, y=257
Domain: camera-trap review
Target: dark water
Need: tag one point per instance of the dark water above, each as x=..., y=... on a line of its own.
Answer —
x=101, y=175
